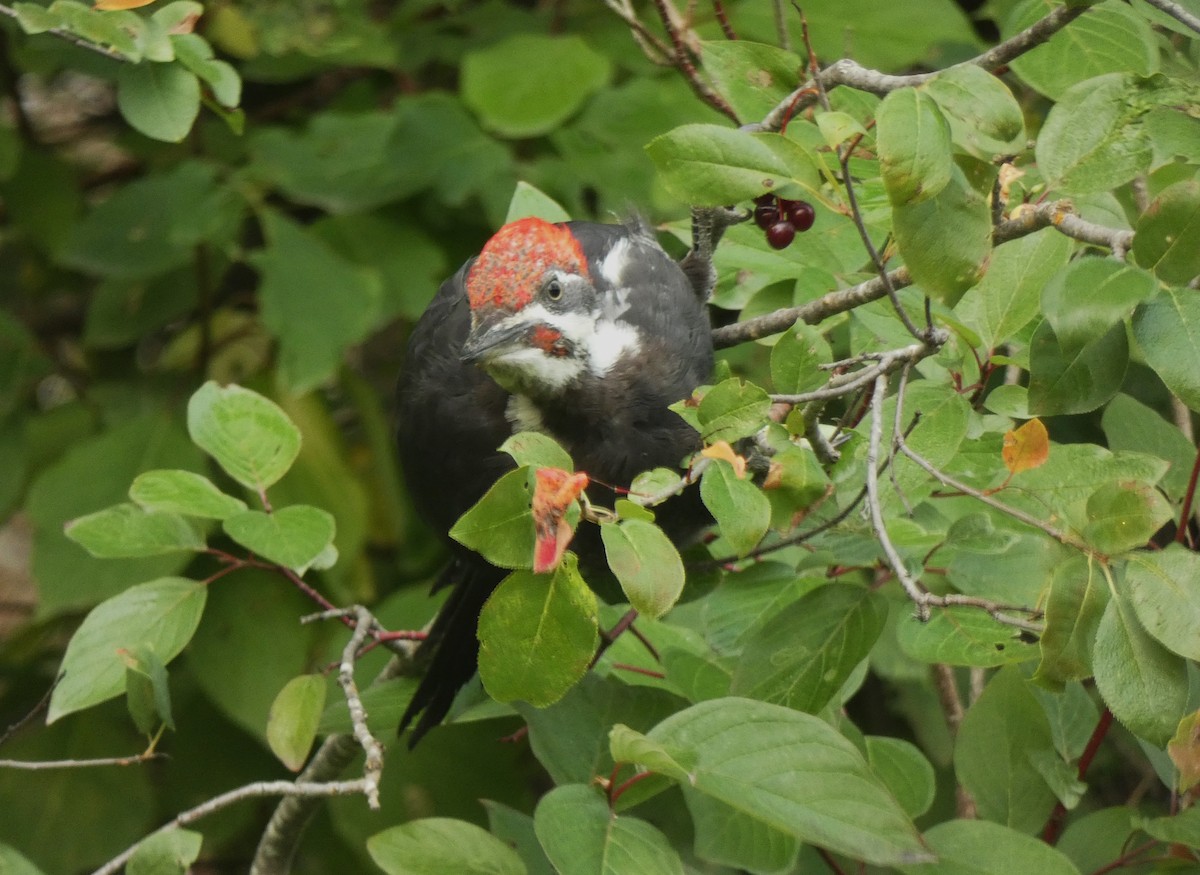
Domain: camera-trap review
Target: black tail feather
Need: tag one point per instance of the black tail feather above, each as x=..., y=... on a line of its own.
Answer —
x=452, y=642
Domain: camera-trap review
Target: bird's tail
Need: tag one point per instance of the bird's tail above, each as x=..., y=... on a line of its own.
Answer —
x=451, y=647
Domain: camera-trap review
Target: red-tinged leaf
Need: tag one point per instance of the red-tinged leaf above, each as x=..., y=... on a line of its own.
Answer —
x=555, y=491
x=1184, y=750
x=1027, y=447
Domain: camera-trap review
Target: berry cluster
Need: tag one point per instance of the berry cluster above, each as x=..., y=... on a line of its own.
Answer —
x=782, y=218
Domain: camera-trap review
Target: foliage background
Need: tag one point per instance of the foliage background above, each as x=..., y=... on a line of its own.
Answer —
x=289, y=237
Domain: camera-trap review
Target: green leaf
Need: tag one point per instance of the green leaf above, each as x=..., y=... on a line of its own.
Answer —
x=35, y=19
x=161, y=615
x=147, y=692
x=515, y=829
x=293, y=536
x=807, y=651
x=571, y=737
x=1009, y=295
x=733, y=409
x=945, y=240
x=1077, y=599
x=530, y=201
x=194, y=53
x=795, y=359
x=537, y=450
x=1000, y=731
x=1124, y=515
x=1168, y=234
x=985, y=119
x=905, y=771
x=248, y=435
x=1164, y=589
x=314, y=327
x=979, y=847
x=500, y=525
x=183, y=492
x=152, y=226
x=295, y=715
x=1090, y=141
x=646, y=564
x=1131, y=425
x=739, y=507
x=1108, y=38
x=439, y=845
x=528, y=84
x=1084, y=301
x=1062, y=382
x=95, y=473
x=158, y=100
x=127, y=531
x=752, y=77
x=1182, y=828
x=792, y=771
x=914, y=146
x=963, y=636
x=166, y=853
x=711, y=165
x=537, y=634
x=1142, y=683
x=728, y=837
x=581, y=836
x=1167, y=330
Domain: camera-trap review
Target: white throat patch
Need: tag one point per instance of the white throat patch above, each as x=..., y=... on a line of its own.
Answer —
x=600, y=342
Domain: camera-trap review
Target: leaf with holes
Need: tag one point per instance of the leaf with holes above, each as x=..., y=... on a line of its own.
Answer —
x=962, y=636
x=500, y=526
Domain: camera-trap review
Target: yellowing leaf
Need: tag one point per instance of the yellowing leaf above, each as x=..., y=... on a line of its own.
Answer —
x=1027, y=447
x=723, y=450
x=1184, y=750
x=113, y=5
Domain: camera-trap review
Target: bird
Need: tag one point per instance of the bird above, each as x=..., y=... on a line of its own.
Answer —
x=583, y=331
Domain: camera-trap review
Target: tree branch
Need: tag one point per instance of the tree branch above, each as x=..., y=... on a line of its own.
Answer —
x=847, y=72
x=1061, y=215
x=1177, y=12
x=812, y=313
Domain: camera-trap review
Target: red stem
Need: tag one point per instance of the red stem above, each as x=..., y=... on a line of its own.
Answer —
x=625, y=785
x=1058, y=817
x=1185, y=512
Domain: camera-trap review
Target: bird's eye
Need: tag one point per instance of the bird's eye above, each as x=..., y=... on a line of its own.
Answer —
x=554, y=290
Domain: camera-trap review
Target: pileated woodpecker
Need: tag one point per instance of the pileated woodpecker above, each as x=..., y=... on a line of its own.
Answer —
x=583, y=331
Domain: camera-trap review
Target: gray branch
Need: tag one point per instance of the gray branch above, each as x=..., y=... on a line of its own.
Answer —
x=1177, y=12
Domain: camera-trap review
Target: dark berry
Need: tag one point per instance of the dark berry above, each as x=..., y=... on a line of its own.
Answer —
x=766, y=215
x=781, y=234
x=799, y=213
x=764, y=199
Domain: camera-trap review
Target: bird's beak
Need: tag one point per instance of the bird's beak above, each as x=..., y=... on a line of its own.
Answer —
x=488, y=336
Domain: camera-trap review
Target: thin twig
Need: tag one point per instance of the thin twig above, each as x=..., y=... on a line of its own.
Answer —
x=874, y=506
x=1061, y=215
x=256, y=790
x=888, y=362
x=840, y=301
x=847, y=72
x=668, y=15
x=1177, y=12
x=844, y=153
x=48, y=765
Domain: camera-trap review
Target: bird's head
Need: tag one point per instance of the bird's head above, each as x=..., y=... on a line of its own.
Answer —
x=536, y=323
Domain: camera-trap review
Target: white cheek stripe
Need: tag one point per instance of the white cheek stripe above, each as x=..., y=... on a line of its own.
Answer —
x=600, y=343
